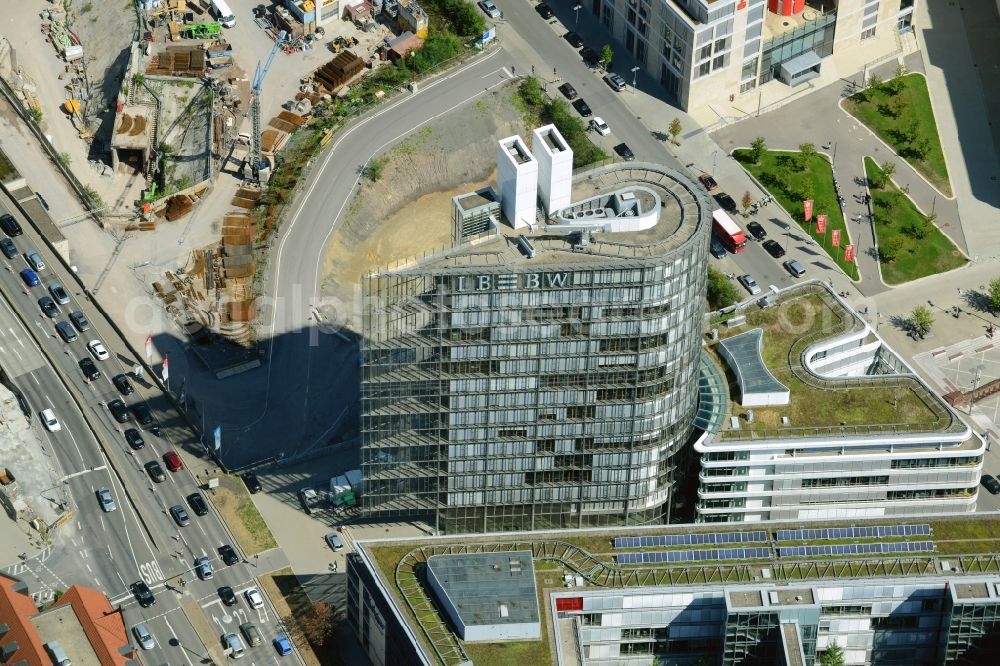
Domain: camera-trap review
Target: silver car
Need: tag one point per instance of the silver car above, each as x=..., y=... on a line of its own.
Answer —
x=203, y=567
x=749, y=284
x=143, y=636
x=59, y=293
x=35, y=260
x=107, y=502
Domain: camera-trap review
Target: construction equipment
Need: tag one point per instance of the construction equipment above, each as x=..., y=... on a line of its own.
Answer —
x=256, y=161
x=202, y=30
x=72, y=107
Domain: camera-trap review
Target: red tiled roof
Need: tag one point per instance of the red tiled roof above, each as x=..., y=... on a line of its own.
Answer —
x=103, y=625
x=16, y=610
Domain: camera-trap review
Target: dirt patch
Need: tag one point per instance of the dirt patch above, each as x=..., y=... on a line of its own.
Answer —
x=406, y=213
x=283, y=589
x=242, y=516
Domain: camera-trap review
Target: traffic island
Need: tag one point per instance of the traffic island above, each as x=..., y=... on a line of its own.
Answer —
x=241, y=515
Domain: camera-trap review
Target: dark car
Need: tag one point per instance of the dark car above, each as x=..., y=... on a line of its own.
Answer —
x=582, y=108
x=142, y=593
x=118, y=410
x=569, y=91
x=794, y=267
x=228, y=555
x=123, y=385
x=10, y=226
x=134, y=439
x=197, y=504
x=90, y=370
x=30, y=277
x=155, y=471
x=616, y=81
x=590, y=57
x=717, y=249
x=710, y=183
x=252, y=484
x=625, y=152
x=66, y=332
x=756, y=230
x=49, y=307
x=991, y=484
x=180, y=515
x=544, y=10
x=8, y=248
x=79, y=320
x=142, y=414
x=773, y=248
x=727, y=202
x=575, y=40
x=227, y=595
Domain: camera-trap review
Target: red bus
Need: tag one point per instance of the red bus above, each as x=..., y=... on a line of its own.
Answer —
x=728, y=232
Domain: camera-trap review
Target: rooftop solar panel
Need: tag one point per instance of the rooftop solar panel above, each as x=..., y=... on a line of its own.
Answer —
x=841, y=533
x=697, y=539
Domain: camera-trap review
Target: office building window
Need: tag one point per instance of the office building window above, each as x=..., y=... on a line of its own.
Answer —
x=749, y=69
x=719, y=62
x=705, y=52
x=703, y=69
x=868, y=34
x=748, y=86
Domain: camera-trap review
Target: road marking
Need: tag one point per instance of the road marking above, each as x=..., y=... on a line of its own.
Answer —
x=173, y=635
x=119, y=574
x=15, y=336
x=87, y=564
x=151, y=572
x=33, y=378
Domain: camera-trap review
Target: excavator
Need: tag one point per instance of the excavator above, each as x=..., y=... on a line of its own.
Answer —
x=73, y=109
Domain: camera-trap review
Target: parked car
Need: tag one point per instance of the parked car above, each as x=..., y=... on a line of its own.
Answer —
x=598, y=125
x=590, y=57
x=107, y=502
x=254, y=598
x=66, y=332
x=123, y=385
x=716, y=247
x=142, y=593
x=794, y=267
x=79, y=320
x=282, y=645
x=727, y=202
x=34, y=260
x=489, y=8
x=10, y=226
x=710, y=184
x=333, y=541
x=8, y=248
x=616, y=81
x=48, y=307
x=134, y=439
x=155, y=471
x=118, y=410
x=251, y=482
x=575, y=40
x=582, y=108
x=625, y=152
x=227, y=595
x=228, y=555
x=773, y=248
x=98, y=349
x=89, y=370
x=251, y=633
x=991, y=484
x=749, y=284
x=197, y=504
x=173, y=461
x=143, y=636
x=180, y=515
x=756, y=230
x=59, y=293
x=51, y=422
x=569, y=91
x=203, y=567
x=29, y=277
x=544, y=10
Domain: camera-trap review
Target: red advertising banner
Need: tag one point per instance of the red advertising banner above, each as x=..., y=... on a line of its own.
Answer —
x=835, y=237
x=807, y=206
x=849, y=252
x=821, y=224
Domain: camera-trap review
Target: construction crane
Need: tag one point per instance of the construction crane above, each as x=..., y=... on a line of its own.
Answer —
x=256, y=160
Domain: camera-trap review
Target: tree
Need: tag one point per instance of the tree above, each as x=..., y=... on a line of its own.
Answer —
x=890, y=250
x=607, y=55
x=898, y=106
x=674, y=129
x=994, y=293
x=721, y=291
x=921, y=319
x=920, y=146
x=888, y=169
x=757, y=148
x=901, y=71
x=315, y=625
x=833, y=655
x=875, y=81
x=746, y=201
x=806, y=152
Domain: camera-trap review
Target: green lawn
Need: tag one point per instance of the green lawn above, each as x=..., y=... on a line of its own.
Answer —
x=789, y=185
x=874, y=107
x=916, y=257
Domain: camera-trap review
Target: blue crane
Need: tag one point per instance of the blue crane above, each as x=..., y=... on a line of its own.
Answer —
x=255, y=90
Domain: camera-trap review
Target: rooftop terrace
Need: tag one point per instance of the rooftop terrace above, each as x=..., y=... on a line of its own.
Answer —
x=821, y=406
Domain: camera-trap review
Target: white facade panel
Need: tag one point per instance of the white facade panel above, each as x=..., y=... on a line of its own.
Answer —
x=517, y=180
x=555, y=168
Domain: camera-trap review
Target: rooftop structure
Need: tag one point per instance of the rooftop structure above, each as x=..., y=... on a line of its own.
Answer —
x=517, y=181
x=555, y=168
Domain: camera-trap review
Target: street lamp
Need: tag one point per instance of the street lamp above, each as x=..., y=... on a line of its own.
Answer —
x=714, y=153
x=634, y=75
x=975, y=385
x=577, y=9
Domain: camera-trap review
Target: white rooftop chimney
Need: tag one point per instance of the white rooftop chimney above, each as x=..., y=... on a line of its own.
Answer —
x=555, y=168
x=517, y=181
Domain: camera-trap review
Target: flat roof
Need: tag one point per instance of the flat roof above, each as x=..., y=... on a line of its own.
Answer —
x=476, y=199
x=61, y=624
x=489, y=588
x=752, y=374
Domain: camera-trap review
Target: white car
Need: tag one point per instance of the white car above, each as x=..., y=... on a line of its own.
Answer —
x=254, y=598
x=96, y=348
x=145, y=638
x=51, y=422
x=489, y=8
x=749, y=284
x=107, y=502
x=598, y=125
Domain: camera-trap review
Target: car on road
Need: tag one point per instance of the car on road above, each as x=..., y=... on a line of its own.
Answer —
x=598, y=125
x=569, y=91
x=143, y=636
x=155, y=471
x=756, y=230
x=134, y=439
x=575, y=40
x=142, y=413
x=254, y=598
x=251, y=482
x=990, y=483
x=90, y=370
x=544, y=10
x=107, y=502
x=227, y=595
x=708, y=182
x=716, y=247
x=29, y=277
x=51, y=422
x=98, y=349
x=34, y=260
x=749, y=284
x=616, y=81
x=8, y=248
x=10, y=225
x=41, y=200
x=203, y=567
x=79, y=320
x=794, y=267
x=197, y=504
x=333, y=541
x=118, y=410
x=228, y=555
x=251, y=633
x=582, y=108
x=180, y=515
x=590, y=57
x=625, y=152
x=727, y=202
x=489, y=8
x=173, y=461
x=123, y=385
x=282, y=645
x=66, y=331
x=234, y=644
x=48, y=307
x=59, y=293
x=773, y=248
x=142, y=593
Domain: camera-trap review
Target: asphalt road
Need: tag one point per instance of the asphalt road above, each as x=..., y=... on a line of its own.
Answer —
x=139, y=540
